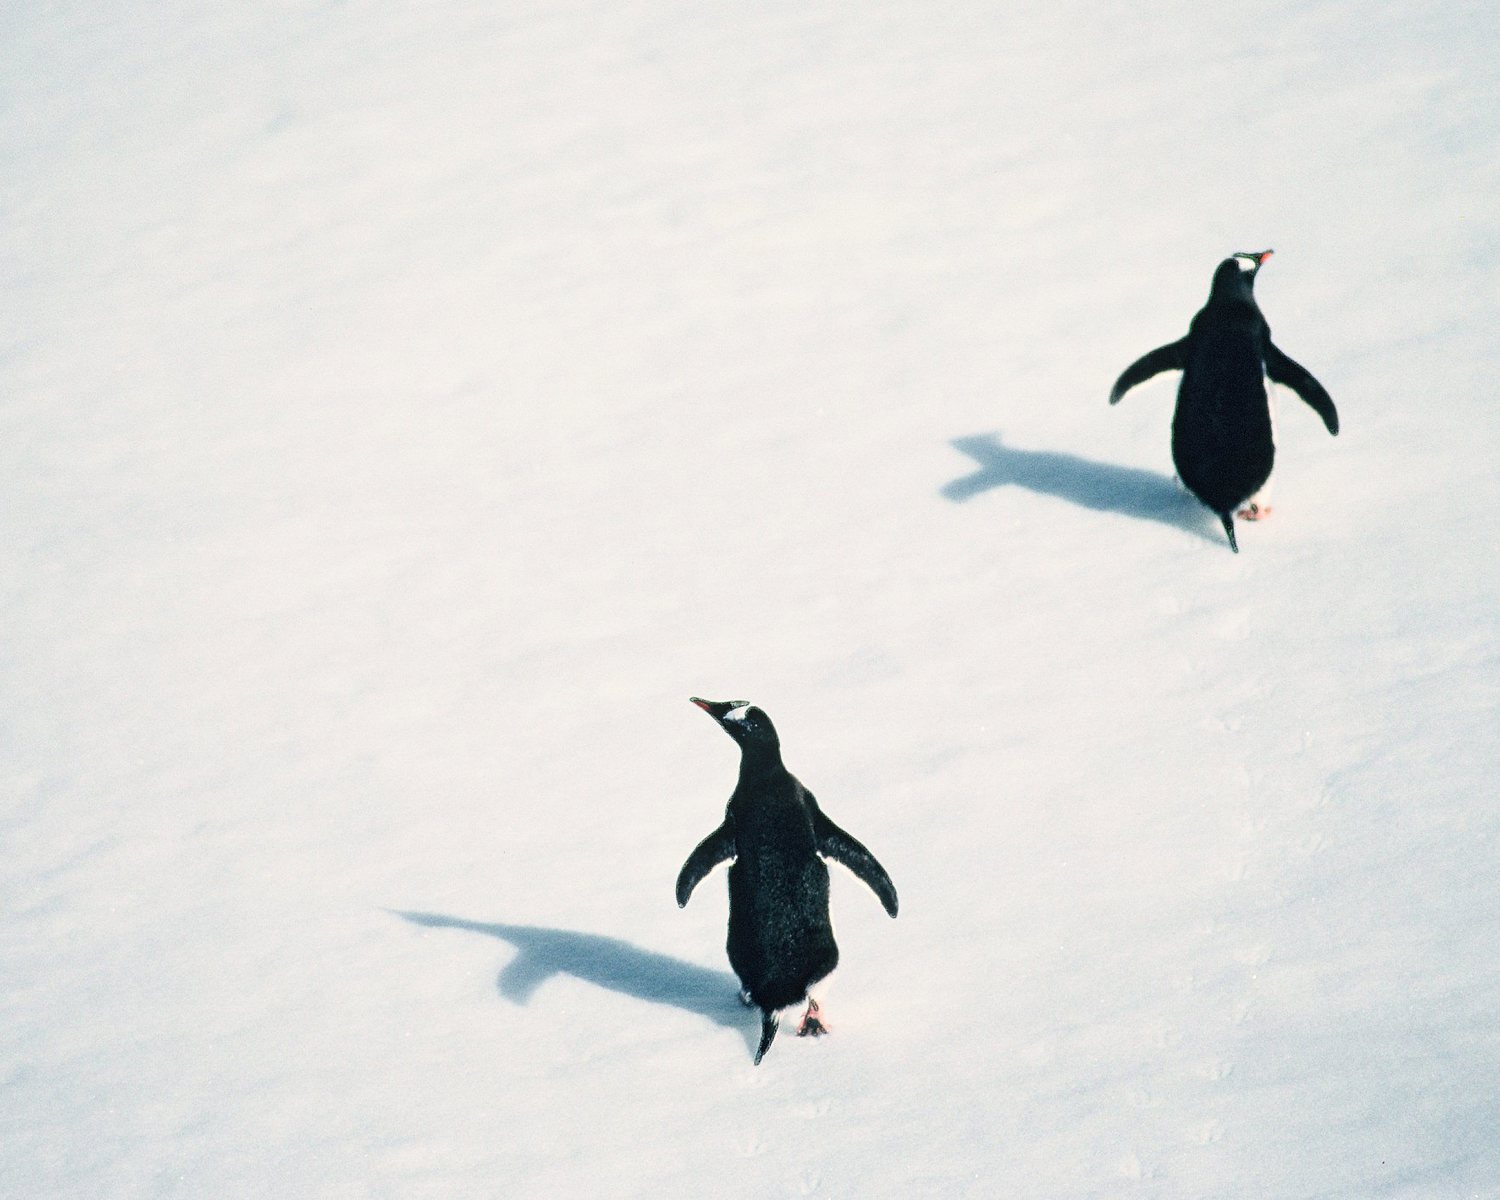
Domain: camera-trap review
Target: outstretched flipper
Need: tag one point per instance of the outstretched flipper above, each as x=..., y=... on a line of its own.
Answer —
x=1163, y=358
x=768, y=1023
x=1228, y=519
x=717, y=847
x=843, y=847
x=1294, y=375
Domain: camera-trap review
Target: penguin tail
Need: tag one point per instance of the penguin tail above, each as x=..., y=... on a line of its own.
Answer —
x=1228, y=519
x=768, y=1022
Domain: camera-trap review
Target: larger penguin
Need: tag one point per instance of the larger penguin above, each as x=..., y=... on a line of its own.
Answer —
x=1222, y=432
x=780, y=938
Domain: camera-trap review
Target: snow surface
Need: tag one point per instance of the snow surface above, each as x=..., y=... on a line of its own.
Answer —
x=407, y=406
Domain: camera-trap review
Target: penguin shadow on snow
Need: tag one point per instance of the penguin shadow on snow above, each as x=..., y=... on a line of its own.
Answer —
x=1103, y=487
x=609, y=963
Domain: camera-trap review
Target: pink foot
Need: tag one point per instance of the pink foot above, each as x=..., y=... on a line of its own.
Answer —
x=812, y=1021
x=1254, y=512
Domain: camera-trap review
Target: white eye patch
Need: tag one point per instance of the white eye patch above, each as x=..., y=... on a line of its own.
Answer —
x=737, y=715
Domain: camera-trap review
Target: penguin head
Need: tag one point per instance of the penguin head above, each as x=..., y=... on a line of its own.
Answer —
x=1249, y=262
x=1235, y=277
x=741, y=720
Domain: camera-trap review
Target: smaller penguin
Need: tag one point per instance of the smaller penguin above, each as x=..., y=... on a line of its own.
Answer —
x=1223, y=437
x=780, y=937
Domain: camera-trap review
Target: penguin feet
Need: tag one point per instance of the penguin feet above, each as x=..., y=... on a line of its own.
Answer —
x=745, y=999
x=812, y=1021
x=1254, y=511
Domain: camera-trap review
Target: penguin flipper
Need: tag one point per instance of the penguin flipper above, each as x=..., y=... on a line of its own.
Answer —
x=845, y=848
x=717, y=847
x=768, y=1024
x=1163, y=358
x=1294, y=375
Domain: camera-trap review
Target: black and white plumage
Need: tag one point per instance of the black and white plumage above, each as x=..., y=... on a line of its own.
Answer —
x=1223, y=440
x=780, y=937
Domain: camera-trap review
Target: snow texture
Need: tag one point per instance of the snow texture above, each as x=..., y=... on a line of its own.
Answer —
x=407, y=406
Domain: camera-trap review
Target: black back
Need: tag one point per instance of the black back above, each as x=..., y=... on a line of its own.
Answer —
x=780, y=937
x=1221, y=430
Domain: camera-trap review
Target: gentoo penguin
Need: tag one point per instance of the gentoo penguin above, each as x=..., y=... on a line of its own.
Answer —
x=780, y=938
x=1222, y=434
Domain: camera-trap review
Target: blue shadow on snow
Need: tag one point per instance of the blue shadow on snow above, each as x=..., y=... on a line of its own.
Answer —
x=1102, y=487
x=608, y=963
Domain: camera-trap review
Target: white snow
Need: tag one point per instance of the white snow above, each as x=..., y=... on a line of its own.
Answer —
x=407, y=407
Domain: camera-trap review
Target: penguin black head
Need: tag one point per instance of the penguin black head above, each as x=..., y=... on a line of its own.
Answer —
x=741, y=720
x=1235, y=276
x=1251, y=262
